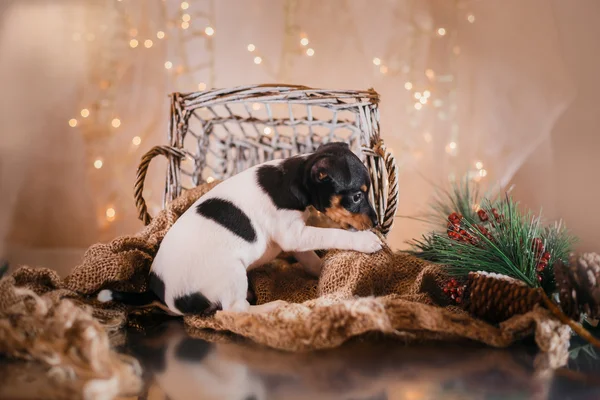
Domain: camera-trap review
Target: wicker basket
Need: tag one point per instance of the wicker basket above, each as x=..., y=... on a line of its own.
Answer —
x=215, y=134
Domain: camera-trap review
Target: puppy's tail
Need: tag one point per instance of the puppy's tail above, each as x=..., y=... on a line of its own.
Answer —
x=132, y=299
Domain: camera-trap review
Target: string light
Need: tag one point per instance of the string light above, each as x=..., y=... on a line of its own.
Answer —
x=310, y=52
x=304, y=41
x=478, y=165
x=257, y=60
x=185, y=25
x=377, y=61
x=210, y=179
x=451, y=148
x=85, y=113
x=256, y=106
x=116, y=122
x=267, y=130
x=423, y=100
x=136, y=140
x=110, y=214
x=98, y=163
x=408, y=86
x=482, y=173
x=471, y=18
x=168, y=65
x=186, y=17
x=426, y=94
x=418, y=106
x=209, y=30
x=72, y=122
x=148, y=43
x=441, y=31
x=160, y=34
x=184, y=5
x=383, y=69
x=417, y=95
x=251, y=47
x=201, y=86
x=133, y=43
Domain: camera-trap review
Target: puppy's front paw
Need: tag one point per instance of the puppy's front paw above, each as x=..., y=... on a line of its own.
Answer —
x=366, y=242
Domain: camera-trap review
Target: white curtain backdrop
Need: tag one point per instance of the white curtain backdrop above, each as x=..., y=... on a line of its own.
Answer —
x=499, y=73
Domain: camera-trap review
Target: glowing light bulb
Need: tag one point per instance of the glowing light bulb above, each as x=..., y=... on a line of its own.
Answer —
x=210, y=179
x=133, y=43
x=209, y=30
x=310, y=52
x=136, y=140
x=201, y=86
x=257, y=60
x=417, y=95
x=116, y=122
x=427, y=94
x=304, y=41
x=479, y=165
x=377, y=61
x=423, y=100
x=168, y=65
x=408, y=85
x=185, y=5
x=267, y=130
x=451, y=148
x=471, y=18
x=383, y=69
x=418, y=106
x=186, y=17
x=160, y=34
x=452, y=145
x=72, y=122
x=251, y=47
x=85, y=113
x=256, y=106
x=441, y=31
x=110, y=214
x=185, y=25
x=98, y=163
x=482, y=173
x=148, y=43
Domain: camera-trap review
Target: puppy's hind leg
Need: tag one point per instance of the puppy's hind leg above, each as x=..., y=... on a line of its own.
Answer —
x=238, y=291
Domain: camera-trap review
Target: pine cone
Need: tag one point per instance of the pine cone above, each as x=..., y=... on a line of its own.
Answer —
x=495, y=297
x=579, y=286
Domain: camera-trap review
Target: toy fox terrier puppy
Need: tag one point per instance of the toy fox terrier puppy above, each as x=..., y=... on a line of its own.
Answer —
x=248, y=220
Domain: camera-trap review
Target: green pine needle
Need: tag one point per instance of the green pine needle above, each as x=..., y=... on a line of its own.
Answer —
x=511, y=250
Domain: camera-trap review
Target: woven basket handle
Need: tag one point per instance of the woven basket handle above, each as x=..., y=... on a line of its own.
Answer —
x=167, y=151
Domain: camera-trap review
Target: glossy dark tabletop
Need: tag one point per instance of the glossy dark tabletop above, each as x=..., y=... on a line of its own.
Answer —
x=177, y=366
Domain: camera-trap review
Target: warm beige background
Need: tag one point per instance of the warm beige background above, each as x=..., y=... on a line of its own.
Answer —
x=525, y=86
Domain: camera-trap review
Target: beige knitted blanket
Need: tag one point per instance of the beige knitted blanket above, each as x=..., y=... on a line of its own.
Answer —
x=57, y=321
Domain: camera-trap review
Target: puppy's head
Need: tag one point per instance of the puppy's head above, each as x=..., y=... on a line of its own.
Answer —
x=339, y=184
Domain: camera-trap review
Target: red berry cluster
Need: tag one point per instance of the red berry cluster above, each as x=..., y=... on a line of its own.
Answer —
x=457, y=233
x=543, y=256
x=455, y=290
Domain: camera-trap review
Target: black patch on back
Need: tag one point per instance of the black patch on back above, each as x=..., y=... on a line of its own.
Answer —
x=196, y=304
x=229, y=216
x=192, y=350
x=157, y=286
x=284, y=183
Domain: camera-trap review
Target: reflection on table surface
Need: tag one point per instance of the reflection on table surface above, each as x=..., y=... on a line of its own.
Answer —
x=180, y=365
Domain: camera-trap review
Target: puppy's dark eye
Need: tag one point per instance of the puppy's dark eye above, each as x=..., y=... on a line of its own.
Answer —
x=357, y=197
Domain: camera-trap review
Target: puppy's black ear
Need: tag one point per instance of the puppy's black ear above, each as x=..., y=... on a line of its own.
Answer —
x=334, y=145
x=319, y=172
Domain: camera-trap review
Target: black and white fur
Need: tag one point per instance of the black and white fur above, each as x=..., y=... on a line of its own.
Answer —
x=250, y=218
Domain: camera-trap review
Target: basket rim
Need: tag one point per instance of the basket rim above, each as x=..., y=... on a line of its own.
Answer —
x=272, y=93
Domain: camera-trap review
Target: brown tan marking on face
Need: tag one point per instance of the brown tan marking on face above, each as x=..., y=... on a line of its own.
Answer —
x=364, y=188
x=345, y=218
